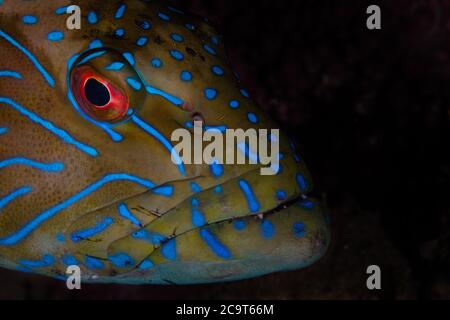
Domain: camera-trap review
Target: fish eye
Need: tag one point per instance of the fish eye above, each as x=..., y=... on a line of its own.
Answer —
x=96, y=93
x=105, y=86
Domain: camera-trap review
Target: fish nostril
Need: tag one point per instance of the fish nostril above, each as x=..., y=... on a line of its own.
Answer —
x=186, y=106
x=198, y=117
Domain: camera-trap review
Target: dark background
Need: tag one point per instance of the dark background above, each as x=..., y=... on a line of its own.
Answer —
x=370, y=111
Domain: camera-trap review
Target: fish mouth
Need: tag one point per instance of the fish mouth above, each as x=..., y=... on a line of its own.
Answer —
x=291, y=235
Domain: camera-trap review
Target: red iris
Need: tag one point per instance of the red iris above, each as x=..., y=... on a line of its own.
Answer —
x=98, y=97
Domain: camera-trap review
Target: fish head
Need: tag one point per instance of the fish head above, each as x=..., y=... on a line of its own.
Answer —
x=90, y=171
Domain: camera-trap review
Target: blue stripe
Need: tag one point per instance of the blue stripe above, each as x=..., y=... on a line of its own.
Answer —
x=49, y=213
x=252, y=202
x=87, y=233
x=48, y=167
x=124, y=212
x=218, y=248
x=158, y=136
x=120, y=11
x=49, y=126
x=13, y=195
x=46, y=261
x=30, y=56
x=12, y=74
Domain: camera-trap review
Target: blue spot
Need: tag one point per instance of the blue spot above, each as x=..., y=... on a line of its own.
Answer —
x=46, y=261
x=119, y=33
x=177, y=37
x=163, y=140
x=55, y=36
x=253, y=118
x=3, y=130
x=144, y=24
x=234, y=104
x=198, y=218
x=299, y=229
x=218, y=71
x=190, y=26
x=218, y=189
x=195, y=187
x=13, y=196
x=95, y=44
x=307, y=204
x=209, y=49
x=169, y=250
x=142, y=41
x=87, y=233
x=245, y=93
x=252, y=202
x=240, y=224
x=146, y=264
x=215, y=40
x=94, y=263
x=29, y=20
x=51, y=167
x=301, y=182
x=156, y=63
x=120, y=11
x=60, y=237
x=115, y=66
x=121, y=260
x=69, y=260
x=186, y=76
x=61, y=10
x=175, y=10
x=216, y=168
x=134, y=83
x=177, y=55
x=125, y=213
x=296, y=158
x=30, y=56
x=163, y=16
x=281, y=195
x=218, y=248
x=210, y=93
x=268, y=230
x=166, y=191
x=92, y=17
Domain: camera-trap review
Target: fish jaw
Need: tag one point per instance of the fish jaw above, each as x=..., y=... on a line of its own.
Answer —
x=209, y=236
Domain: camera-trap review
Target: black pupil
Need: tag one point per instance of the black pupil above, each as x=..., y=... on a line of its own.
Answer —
x=96, y=93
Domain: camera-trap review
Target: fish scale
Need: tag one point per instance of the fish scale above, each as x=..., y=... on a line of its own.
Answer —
x=77, y=189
